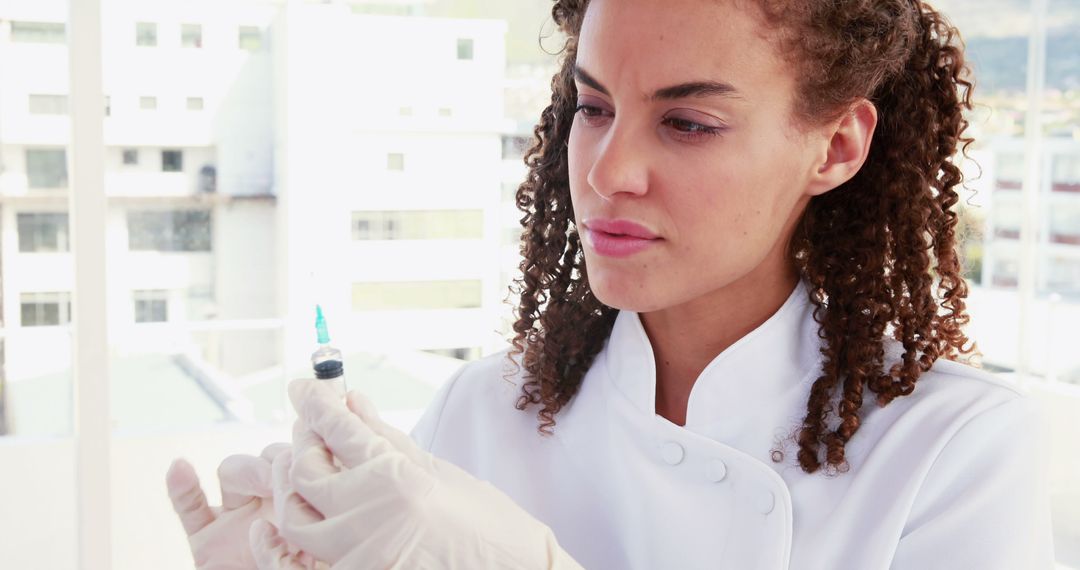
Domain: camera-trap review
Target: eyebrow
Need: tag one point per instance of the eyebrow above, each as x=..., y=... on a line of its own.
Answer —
x=680, y=91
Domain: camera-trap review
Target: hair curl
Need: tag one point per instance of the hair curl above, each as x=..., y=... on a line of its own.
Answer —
x=879, y=251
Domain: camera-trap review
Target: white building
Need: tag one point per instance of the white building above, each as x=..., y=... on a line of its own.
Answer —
x=262, y=157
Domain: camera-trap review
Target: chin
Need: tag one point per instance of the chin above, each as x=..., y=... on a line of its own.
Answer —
x=626, y=296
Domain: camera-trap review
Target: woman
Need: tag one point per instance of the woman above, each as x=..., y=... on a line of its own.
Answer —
x=740, y=317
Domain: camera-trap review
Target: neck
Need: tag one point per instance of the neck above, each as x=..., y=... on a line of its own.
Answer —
x=685, y=338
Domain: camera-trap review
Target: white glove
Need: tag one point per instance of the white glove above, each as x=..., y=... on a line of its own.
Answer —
x=218, y=536
x=392, y=504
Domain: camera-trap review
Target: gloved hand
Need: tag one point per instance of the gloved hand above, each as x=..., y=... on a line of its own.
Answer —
x=391, y=504
x=218, y=536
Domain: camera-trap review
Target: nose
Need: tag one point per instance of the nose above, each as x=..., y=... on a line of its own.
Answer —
x=621, y=163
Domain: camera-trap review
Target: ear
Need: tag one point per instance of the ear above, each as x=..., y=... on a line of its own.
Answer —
x=848, y=147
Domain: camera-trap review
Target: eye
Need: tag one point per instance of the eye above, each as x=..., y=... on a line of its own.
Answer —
x=691, y=131
x=590, y=114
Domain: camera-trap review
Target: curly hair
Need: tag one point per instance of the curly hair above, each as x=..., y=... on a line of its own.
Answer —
x=878, y=251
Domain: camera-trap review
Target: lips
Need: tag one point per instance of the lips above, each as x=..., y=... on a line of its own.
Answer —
x=618, y=238
x=623, y=228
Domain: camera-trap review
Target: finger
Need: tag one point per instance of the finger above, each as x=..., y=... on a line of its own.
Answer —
x=344, y=433
x=187, y=497
x=274, y=449
x=268, y=549
x=310, y=450
x=363, y=407
x=243, y=477
x=290, y=509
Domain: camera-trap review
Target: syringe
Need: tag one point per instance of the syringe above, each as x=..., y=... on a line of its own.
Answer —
x=327, y=361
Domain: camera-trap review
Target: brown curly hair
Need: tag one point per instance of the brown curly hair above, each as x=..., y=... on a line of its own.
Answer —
x=879, y=251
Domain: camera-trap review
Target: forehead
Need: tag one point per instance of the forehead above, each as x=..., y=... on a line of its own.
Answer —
x=647, y=44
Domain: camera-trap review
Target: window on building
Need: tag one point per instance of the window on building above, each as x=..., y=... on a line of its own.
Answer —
x=44, y=309
x=509, y=191
x=151, y=306
x=195, y=103
x=405, y=111
x=191, y=35
x=131, y=156
x=418, y=224
x=416, y=295
x=43, y=232
x=1010, y=170
x=148, y=103
x=169, y=230
x=172, y=161
x=445, y=111
x=514, y=147
x=38, y=32
x=465, y=48
x=1065, y=223
x=250, y=38
x=395, y=161
x=108, y=106
x=1006, y=271
x=464, y=353
x=1006, y=220
x=1063, y=274
x=46, y=168
x=1066, y=173
x=48, y=104
x=145, y=34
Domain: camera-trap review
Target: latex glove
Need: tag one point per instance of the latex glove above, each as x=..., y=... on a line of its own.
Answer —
x=218, y=536
x=392, y=504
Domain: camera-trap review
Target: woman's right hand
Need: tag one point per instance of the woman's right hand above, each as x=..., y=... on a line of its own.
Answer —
x=218, y=536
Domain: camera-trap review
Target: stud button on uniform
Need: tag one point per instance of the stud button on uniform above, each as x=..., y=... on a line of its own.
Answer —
x=673, y=453
x=766, y=501
x=715, y=470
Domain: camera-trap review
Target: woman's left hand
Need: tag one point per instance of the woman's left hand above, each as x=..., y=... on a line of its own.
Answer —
x=390, y=503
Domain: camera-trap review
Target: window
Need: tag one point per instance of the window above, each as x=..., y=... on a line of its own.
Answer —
x=48, y=104
x=46, y=168
x=131, y=156
x=405, y=111
x=1010, y=170
x=195, y=103
x=44, y=309
x=250, y=38
x=1066, y=173
x=191, y=35
x=145, y=34
x=108, y=106
x=445, y=111
x=148, y=103
x=416, y=295
x=1065, y=223
x=43, y=232
x=464, y=48
x=466, y=353
x=418, y=224
x=172, y=160
x=38, y=32
x=514, y=147
x=169, y=230
x=395, y=161
x=151, y=306
x=509, y=191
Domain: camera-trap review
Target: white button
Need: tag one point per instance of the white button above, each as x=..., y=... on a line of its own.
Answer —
x=716, y=470
x=766, y=502
x=673, y=453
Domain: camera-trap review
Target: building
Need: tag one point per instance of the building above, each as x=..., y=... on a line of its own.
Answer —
x=262, y=157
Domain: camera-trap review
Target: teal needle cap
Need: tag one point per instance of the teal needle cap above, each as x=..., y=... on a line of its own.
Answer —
x=320, y=326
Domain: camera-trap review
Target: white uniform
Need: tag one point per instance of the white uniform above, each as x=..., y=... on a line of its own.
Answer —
x=949, y=477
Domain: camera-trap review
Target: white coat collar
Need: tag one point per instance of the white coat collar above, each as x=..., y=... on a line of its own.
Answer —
x=770, y=363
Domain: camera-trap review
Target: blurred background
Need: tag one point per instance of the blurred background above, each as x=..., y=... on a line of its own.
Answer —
x=265, y=156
